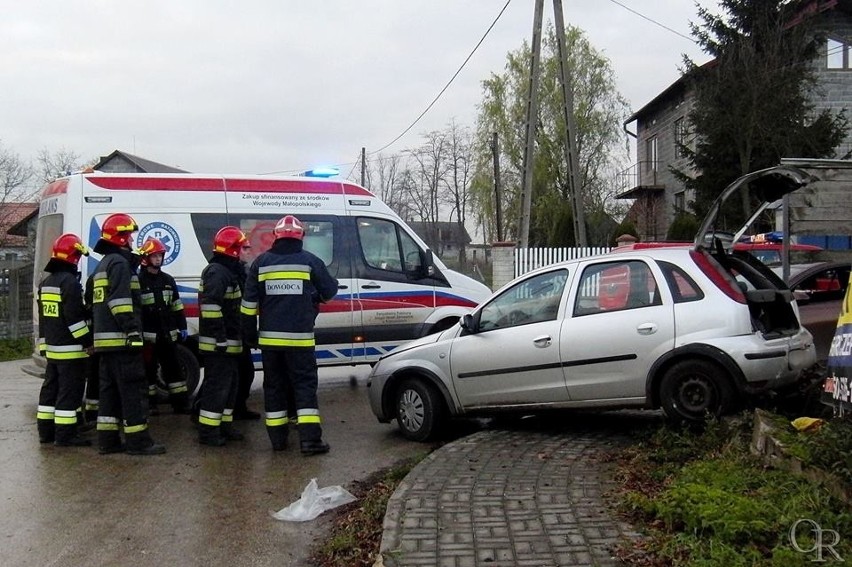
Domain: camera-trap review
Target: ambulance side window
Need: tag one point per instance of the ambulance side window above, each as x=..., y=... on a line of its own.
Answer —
x=386, y=247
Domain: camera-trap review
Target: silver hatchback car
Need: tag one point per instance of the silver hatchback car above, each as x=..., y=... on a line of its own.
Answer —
x=685, y=328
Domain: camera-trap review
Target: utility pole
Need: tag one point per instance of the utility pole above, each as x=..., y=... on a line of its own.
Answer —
x=575, y=188
x=363, y=166
x=532, y=118
x=495, y=151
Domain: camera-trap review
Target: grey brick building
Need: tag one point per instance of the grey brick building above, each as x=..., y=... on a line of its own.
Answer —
x=663, y=121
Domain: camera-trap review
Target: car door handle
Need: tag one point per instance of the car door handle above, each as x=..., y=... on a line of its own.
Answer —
x=647, y=328
x=371, y=286
x=543, y=342
x=343, y=287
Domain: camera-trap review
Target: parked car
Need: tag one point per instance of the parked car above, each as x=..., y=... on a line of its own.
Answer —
x=690, y=329
x=819, y=289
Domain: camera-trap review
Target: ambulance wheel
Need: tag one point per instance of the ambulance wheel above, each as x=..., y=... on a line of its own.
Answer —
x=419, y=410
x=190, y=369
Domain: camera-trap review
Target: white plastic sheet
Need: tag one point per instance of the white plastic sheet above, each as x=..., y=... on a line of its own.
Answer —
x=314, y=502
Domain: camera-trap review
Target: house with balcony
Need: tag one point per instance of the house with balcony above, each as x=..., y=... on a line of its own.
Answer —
x=661, y=126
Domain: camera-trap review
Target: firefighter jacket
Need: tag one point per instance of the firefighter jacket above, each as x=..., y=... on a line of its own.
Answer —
x=116, y=301
x=219, y=297
x=284, y=287
x=162, y=309
x=63, y=331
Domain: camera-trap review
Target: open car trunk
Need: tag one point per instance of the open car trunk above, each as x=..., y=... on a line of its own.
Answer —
x=770, y=302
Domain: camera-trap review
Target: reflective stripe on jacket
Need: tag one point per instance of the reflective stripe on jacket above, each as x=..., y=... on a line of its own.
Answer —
x=116, y=303
x=64, y=333
x=219, y=298
x=284, y=288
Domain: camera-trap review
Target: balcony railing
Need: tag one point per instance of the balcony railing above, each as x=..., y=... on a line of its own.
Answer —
x=641, y=173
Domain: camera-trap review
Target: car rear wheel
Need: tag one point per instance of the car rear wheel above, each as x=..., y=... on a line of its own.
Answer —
x=419, y=410
x=693, y=389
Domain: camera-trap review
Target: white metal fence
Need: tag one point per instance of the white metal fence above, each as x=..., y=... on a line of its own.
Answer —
x=528, y=259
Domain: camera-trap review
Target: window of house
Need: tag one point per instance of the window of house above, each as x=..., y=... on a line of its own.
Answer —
x=680, y=137
x=680, y=201
x=651, y=154
x=837, y=54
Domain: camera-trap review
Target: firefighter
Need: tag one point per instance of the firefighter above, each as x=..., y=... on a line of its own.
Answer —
x=64, y=340
x=116, y=314
x=90, y=402
x=219, y=338
x=285, y=286
x=163, y=324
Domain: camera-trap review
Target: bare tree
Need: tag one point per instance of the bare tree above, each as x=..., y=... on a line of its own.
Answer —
x=14, y=177
x=429, y=166
x=457, y=182
x=384, y=178
x=53, y=164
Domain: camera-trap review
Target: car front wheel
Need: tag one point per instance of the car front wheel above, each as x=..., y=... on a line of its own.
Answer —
x=419, y=410
x=693, y=389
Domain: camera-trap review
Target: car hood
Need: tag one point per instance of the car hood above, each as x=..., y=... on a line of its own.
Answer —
x=766, y=186
x=427, y=340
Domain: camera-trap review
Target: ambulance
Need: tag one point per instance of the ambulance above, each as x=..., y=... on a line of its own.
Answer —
x=391, y=288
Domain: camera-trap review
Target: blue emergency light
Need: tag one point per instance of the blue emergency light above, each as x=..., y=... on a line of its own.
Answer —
x=322, y=172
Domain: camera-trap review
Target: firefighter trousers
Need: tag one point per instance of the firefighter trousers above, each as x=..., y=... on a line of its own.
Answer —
x=123, y=399
x=218, y=393
x=60, y=398
x=290, y=381
x=162, y=355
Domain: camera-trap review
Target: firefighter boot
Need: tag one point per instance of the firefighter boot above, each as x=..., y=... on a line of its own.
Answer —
x=210, y=435
x=109, y=441
x=311, y=439
x=152, y=405
x=278, y=437
x=46, y=431
x=67, y=436
x=230, y=433
x=140, y=443
x=180, y=403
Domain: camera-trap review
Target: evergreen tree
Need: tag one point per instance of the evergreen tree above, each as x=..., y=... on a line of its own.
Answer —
x=753, y=100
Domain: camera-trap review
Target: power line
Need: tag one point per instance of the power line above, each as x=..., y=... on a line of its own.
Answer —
x=653, y=21
x=431, y=104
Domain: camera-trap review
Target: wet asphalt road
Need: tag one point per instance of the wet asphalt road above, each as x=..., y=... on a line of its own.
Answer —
x=192, y=506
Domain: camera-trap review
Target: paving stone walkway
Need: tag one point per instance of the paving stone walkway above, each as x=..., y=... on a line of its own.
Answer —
x=507, y=498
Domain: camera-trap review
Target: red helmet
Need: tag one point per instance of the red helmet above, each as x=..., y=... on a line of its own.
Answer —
x=117, y=228
x=69, y=248
x=150, y=247
x=289, y=227
x=229, y=241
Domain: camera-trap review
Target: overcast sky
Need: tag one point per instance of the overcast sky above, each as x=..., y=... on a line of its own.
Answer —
x=265, y=86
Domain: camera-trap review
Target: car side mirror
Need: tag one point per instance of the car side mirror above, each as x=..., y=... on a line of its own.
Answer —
x=468, y=323
x=428, y=263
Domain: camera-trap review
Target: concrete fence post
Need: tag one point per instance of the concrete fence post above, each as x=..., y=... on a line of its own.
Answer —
x=502, y=263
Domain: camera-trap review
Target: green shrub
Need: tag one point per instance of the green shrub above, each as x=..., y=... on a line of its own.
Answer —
x=15, y=349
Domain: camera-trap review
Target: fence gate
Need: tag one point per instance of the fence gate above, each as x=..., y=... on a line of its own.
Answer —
x=16, y=299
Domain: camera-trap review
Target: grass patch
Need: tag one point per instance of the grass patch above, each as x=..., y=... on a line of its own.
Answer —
x=356, y=532
x=705, y=500
x=15, y=349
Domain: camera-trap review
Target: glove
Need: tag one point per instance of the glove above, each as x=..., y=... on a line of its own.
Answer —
x=183, y=334
x=221, y=347
x=134, y=341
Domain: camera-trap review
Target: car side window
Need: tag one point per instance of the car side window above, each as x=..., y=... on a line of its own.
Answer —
x=616, y=286
x=380, y=244
x=682, y=286
x=533, y=300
